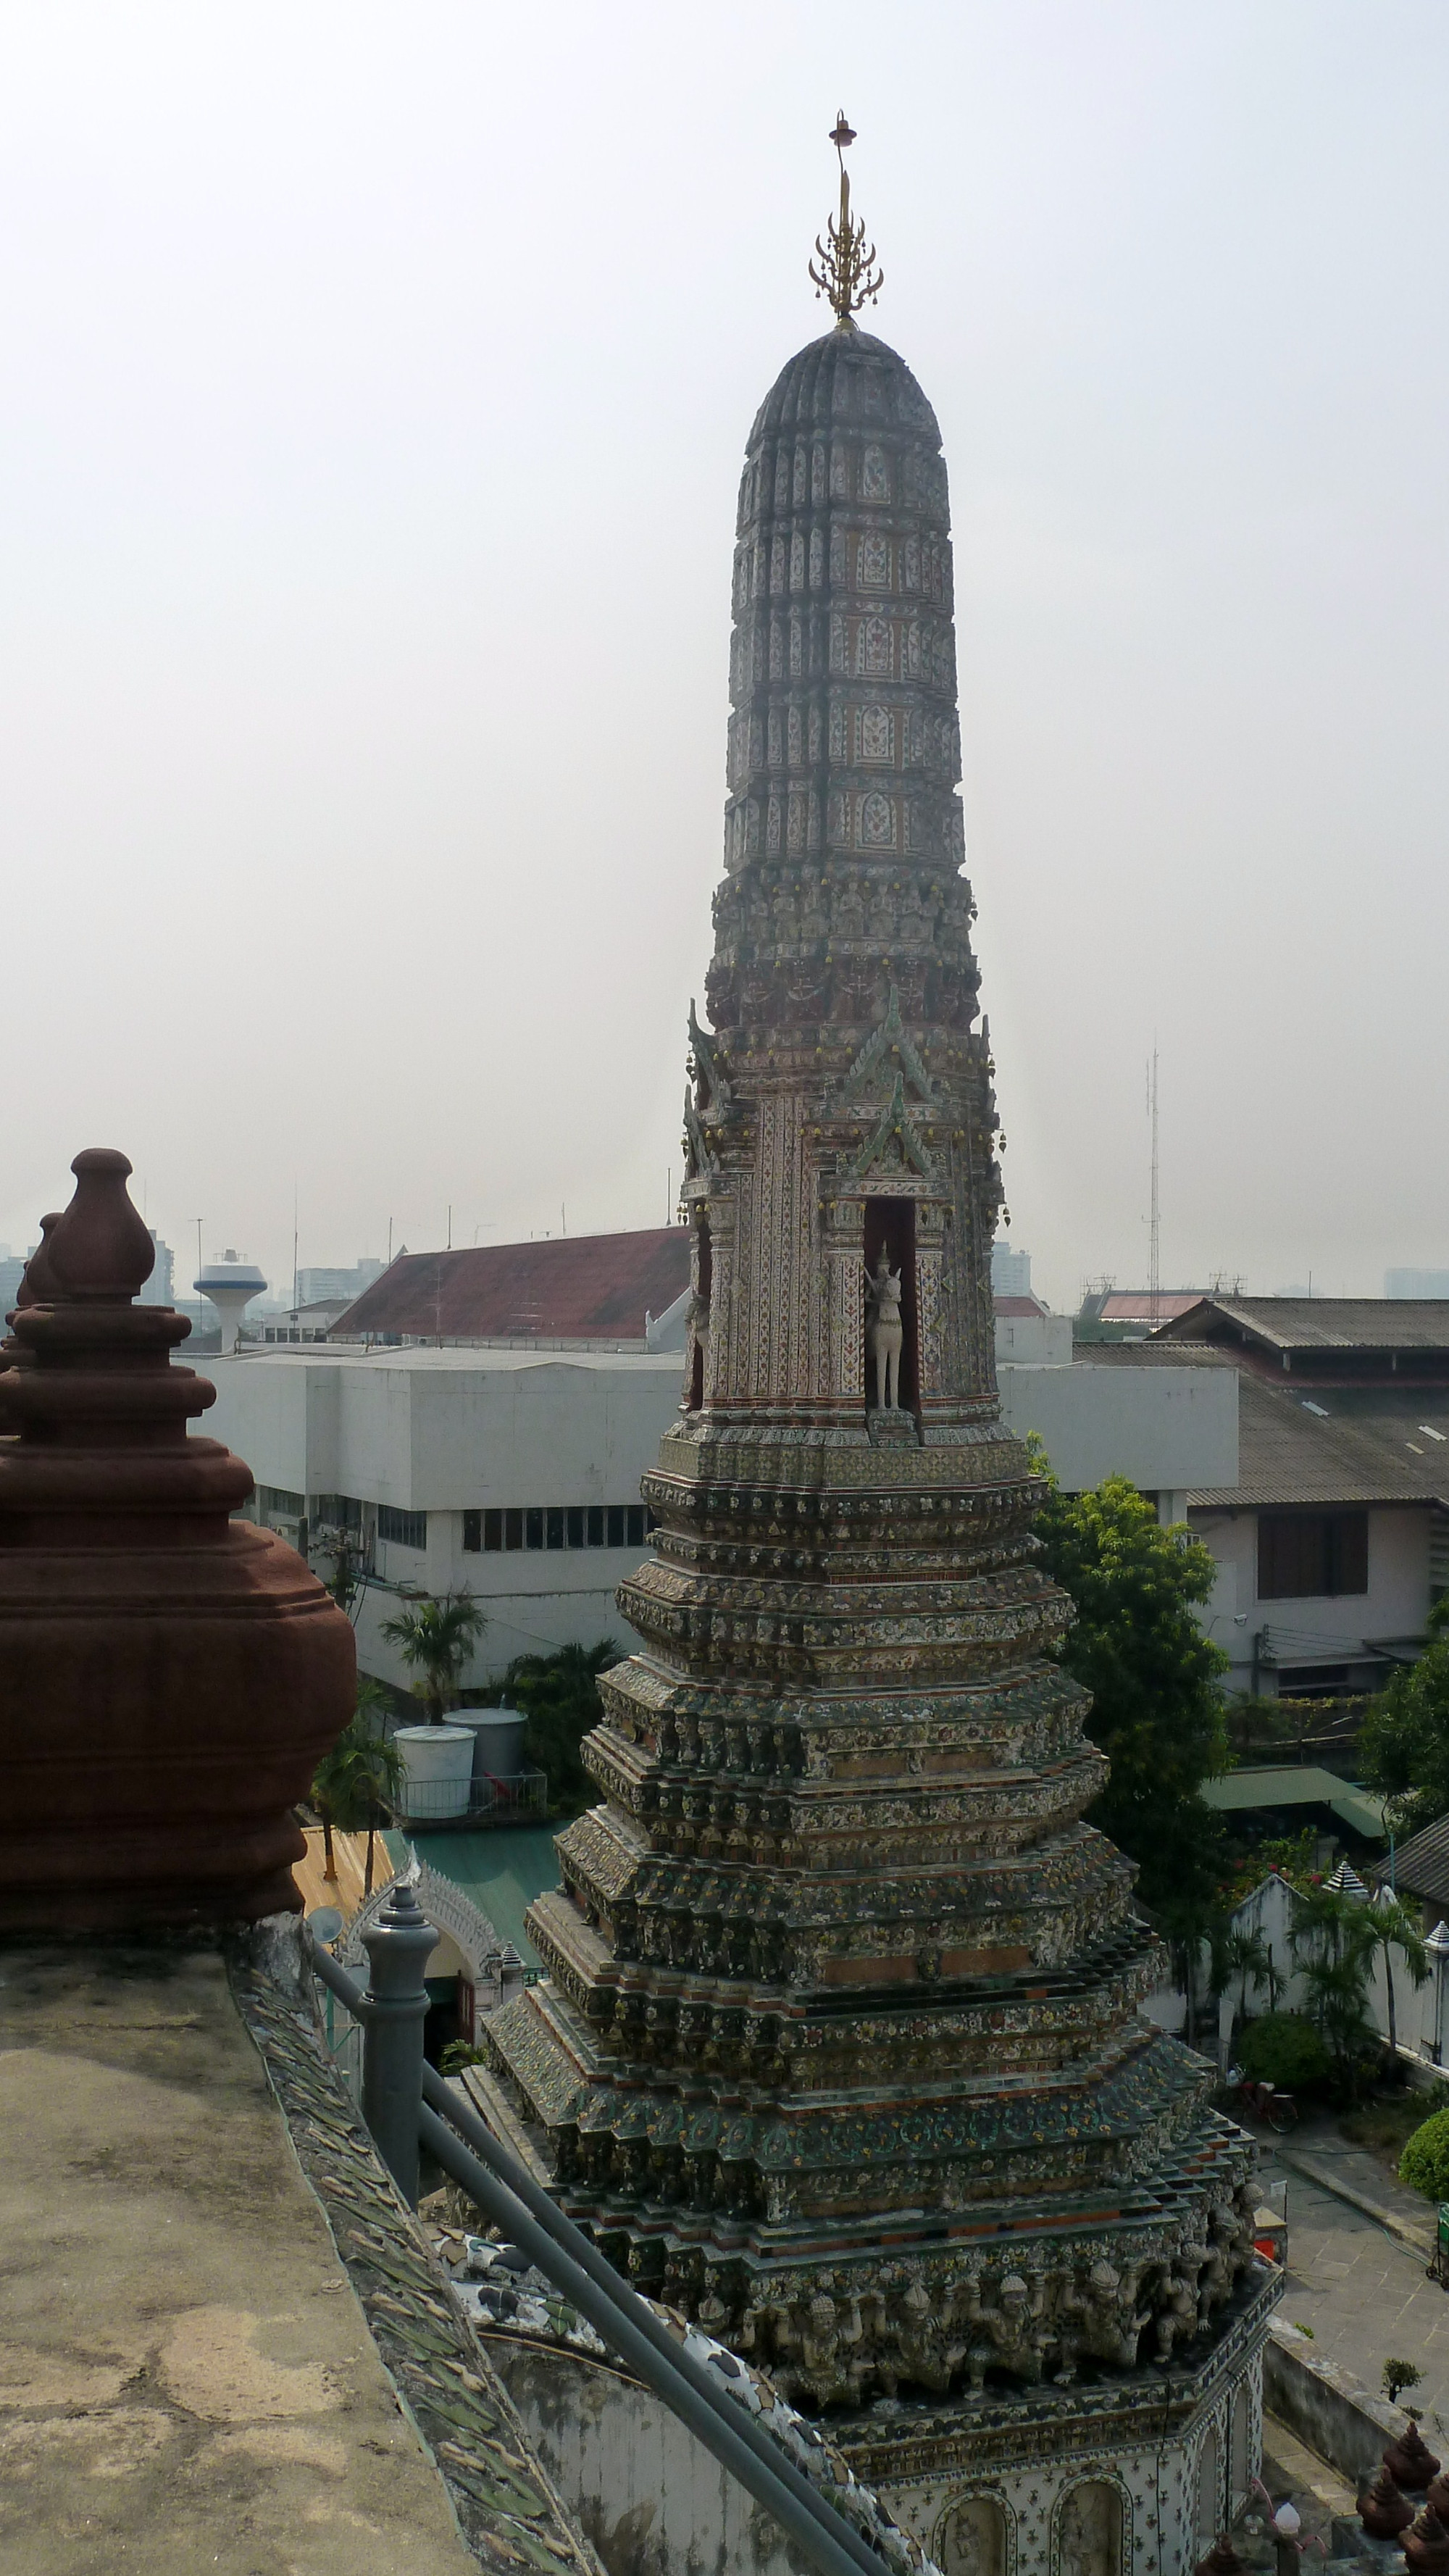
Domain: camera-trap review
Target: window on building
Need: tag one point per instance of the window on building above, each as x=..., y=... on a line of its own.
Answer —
x=402, y=1529
x=339, y=1511
x=279, y=1504
x=1307, y=1556
x=551, y=1525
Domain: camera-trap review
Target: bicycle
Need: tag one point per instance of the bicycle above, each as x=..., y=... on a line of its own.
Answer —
x=1263, y=2102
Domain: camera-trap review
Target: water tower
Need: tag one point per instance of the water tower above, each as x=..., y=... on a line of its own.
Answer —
x=231, y=1285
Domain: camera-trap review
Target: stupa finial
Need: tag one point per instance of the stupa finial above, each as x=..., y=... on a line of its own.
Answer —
x=847, y=273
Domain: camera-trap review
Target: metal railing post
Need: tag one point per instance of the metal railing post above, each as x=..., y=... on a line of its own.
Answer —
x=399, y=1944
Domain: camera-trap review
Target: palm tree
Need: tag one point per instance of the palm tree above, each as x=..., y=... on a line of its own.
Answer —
x=559, y=1696
x=436, y=1638
x=1332, y=1931
x=1393, y=1926
x=361, y=1775
x=1249, y=1957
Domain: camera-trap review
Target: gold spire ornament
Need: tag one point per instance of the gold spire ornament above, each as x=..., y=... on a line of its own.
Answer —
x=847, y=273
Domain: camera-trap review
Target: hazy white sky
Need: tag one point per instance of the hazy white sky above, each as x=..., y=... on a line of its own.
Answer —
x=373, y=385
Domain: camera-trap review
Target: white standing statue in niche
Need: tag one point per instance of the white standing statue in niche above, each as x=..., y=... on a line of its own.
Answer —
x=884, y=1332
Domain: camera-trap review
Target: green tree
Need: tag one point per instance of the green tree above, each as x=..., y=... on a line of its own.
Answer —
x=559, y=1696
x=1157, y=1708
x=1394, y=1927
x=435, y=1639
x=359, y=1779
x=1404, y=1743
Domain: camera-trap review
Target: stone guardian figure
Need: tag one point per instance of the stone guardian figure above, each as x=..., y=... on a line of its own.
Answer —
x=884, y=1332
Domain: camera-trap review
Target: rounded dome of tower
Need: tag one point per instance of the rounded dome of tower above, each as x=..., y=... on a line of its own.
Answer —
x=843, y=735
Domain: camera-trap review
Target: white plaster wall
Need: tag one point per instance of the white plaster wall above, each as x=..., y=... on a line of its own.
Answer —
x=1158, y=2484
x=1396, y=1603
x=1034, y=1341
x=1165, y=1428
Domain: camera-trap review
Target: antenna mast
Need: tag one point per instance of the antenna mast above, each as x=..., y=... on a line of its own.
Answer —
x=1154, y=1248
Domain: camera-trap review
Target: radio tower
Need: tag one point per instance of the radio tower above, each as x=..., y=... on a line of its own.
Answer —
x=1154, y=1249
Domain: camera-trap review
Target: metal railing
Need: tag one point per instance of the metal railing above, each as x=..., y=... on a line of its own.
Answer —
x=405, y=2104
x=428, y=1802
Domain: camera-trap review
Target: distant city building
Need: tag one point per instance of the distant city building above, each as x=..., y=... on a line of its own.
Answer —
x=160, y=1288
x=12, y=1271
x=1416, y=1283
x=321, y=1286
x=1010, y=1271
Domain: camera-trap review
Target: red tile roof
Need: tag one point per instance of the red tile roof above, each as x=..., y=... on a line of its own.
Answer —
x=1135, y=1305
x=584, y=1287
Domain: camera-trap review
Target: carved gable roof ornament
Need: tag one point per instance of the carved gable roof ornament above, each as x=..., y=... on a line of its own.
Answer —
x=897, y=1144
x=712, y=1093
x=889, y=1041
x=700, y=1159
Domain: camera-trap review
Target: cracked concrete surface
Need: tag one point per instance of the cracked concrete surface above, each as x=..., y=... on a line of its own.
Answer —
x=187, y=2382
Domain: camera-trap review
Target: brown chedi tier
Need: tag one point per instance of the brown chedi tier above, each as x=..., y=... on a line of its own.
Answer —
x=839, y=2047
x=1383, y=2509
x=168, y=1676
x=1222, y=2560
x=1410, y=2461
x=1426, y=2545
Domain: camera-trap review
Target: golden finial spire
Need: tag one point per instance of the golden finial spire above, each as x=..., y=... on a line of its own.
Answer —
x=847, y=273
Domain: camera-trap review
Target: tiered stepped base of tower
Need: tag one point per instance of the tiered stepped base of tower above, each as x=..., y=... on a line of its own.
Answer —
x=839, y=2047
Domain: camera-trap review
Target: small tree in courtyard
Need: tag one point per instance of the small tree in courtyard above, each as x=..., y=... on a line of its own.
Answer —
x=435, y=1639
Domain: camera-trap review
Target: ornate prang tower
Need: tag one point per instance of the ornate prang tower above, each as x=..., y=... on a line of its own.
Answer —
x=840, y=2046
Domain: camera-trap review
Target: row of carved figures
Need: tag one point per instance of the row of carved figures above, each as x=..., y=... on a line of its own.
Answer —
x=1030, y=2324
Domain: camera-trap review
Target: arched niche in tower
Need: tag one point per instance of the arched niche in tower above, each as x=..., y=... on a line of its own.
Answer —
x=973, y=2539
x=890, y=1227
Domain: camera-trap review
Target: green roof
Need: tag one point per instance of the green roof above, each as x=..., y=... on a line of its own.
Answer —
x=502, y=1869
x=1295, y=1784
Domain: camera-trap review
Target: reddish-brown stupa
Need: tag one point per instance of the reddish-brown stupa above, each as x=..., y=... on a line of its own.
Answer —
x=169, y=1677
x=1222, y=2560
x=1410, y=2461
x=1426, y=2545
x=1384, y=2509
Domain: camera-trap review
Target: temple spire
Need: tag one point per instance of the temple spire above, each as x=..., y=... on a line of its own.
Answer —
x=847, y=273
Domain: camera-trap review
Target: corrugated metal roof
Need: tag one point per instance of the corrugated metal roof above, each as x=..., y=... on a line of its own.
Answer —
x=1337, y=1444
x=1323, y=1323
x=584, y=1287
x=1421, y=1865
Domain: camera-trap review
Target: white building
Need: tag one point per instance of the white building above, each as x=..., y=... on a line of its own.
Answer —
x=514, y=1472
x=1332, y=1540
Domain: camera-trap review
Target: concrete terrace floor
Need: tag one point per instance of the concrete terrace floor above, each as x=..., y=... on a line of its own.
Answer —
x=187, y=2381
x=1364, y=2293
